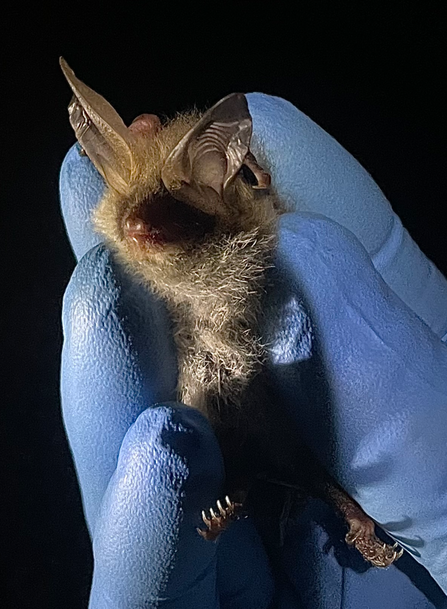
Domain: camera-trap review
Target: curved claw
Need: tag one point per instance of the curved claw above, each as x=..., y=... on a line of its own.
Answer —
x=220, y=508
x=205, y=519
x=401, y=550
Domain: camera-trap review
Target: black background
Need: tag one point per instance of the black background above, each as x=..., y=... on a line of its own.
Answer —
x=373, y=76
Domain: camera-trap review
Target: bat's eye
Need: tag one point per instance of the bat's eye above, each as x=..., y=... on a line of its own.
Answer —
x=163, y=219
x=247, y=174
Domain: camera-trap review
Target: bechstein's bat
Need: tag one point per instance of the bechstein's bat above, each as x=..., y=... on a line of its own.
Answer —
x=188, y=210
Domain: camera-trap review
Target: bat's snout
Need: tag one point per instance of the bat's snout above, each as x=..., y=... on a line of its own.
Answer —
x=164, y=220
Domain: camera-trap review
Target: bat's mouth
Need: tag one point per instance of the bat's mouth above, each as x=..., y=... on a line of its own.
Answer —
x=165, y=220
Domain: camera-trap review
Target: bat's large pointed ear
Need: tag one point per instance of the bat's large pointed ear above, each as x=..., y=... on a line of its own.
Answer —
x=100, y=131
x=207, y=159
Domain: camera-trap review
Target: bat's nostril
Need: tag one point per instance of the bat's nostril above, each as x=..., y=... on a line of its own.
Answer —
x=135, y=225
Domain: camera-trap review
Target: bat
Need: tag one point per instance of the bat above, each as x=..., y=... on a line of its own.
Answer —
x=190, y=212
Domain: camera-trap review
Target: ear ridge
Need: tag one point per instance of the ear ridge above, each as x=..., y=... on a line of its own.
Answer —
x=211, y=153
x=100, y=131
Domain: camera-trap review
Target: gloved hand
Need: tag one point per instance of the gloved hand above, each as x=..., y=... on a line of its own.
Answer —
x=365, y=377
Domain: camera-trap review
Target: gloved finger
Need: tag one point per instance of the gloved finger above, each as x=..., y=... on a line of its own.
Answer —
x=313, y=172
x=370, y=390
x=146, y=547
x=118, y=357
x=147, y=551
x=81, y=188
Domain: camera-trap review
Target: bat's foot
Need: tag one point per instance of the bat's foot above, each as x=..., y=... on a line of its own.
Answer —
x=361, y=532
x=362, y=536
x=216, y=523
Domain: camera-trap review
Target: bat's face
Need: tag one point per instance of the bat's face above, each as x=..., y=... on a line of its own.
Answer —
x=146, y=221
x=155, y=218
x=171, y=187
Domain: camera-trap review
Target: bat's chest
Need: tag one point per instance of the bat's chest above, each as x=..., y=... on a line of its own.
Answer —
x=218, y=360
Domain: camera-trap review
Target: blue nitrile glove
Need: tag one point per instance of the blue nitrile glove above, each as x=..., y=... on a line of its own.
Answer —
x=363, y=374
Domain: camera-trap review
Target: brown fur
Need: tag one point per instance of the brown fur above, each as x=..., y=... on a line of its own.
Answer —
x=212, y=287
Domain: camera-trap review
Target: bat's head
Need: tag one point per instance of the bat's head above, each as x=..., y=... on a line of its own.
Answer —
x=172, y=186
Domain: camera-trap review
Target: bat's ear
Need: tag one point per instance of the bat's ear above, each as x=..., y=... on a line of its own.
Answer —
x=207, y=159
x=100, y=131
